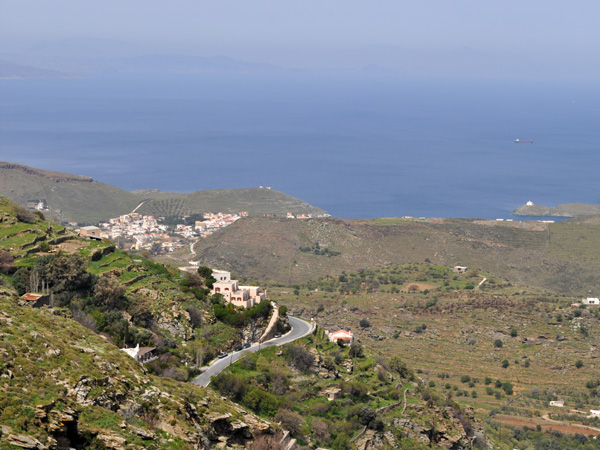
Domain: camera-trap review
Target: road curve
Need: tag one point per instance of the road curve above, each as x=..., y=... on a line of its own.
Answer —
x=300, y=328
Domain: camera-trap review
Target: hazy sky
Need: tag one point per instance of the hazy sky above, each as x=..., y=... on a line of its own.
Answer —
x=310, y=33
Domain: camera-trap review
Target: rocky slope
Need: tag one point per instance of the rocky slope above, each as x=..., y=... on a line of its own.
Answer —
x=62, y=386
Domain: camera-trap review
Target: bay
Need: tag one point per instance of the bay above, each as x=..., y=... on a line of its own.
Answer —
x=355, y=146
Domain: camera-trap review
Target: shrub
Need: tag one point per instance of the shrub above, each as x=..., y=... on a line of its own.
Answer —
x=465, y=378
x=498, y=343
x=25, y=215
x=505, y=363
x=579, y=364
x=300, y=358
x=291, y=421
x=364, y=323
x=356, y=350
x=513, y=332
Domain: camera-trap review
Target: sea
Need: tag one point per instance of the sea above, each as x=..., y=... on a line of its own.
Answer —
x=356, y=146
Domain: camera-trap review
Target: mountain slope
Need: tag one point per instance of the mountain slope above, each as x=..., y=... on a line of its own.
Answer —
x=81, y=199
x=66, y=386
x=559, y=257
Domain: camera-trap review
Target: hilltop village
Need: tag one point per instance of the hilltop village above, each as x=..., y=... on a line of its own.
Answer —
x=139, y=232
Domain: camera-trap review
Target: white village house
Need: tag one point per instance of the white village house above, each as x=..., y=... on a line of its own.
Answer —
x=591, y=301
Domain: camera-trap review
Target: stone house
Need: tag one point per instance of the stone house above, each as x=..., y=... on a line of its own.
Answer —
x=35, y=300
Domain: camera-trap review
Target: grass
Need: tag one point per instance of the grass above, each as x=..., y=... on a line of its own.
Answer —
x=561, y=257
x=461, y=328
x=44, y=354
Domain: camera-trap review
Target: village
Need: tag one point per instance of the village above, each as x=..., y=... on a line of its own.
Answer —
x=137, y=232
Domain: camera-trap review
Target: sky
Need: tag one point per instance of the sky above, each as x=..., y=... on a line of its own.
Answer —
x=546, y=35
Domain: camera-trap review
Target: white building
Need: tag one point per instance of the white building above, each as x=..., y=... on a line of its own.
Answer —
x=591, y=301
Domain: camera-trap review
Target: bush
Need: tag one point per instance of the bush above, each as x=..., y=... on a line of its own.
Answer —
x=290, y=421
x=505, y=363
x=300, y=358
x=364, y=323
x=513, y=332
x=25, y=215
x=356, y=350
x=579, y=364
x=498, y=343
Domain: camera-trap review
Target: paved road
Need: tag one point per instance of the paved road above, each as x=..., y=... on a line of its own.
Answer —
x=300, y=328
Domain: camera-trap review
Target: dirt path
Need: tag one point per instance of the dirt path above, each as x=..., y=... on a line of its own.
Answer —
x=138, y=206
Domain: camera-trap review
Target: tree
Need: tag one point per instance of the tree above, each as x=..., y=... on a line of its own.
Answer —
x=356, y=350
x=205, y=272
x=24, y=215
x=505, y=363
x=498, y=343
x=20, y=280
x=66, y=273
x=300, y=358
x=290, y=421
x=364, y=323
x=400, y=367
x=109, y=292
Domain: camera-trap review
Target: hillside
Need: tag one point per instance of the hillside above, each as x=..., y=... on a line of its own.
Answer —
x=565, y=210
x=559, y=257
x=68, y=197
x=66, y=387
x=12, y=71
x=255, y=201
x=506, y=350
x=81, y=199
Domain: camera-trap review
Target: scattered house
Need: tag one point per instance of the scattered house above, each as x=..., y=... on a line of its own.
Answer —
x=594, y=413
x=345, y=336
x=36, y=300
x=558, y=403
x=142, y=354
x=245, y=296
x=332, y=393
x=91, y=232
x=591, y=301
x=459, y=269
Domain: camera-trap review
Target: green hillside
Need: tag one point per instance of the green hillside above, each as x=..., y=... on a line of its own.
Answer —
x=68, y=197
x=86, y=201
x=64, y=386
x=560, y=257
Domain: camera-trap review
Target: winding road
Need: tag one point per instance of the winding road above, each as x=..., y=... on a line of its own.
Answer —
x=300, y=328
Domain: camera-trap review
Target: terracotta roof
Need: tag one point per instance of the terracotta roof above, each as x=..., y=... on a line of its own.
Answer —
x=30, y=296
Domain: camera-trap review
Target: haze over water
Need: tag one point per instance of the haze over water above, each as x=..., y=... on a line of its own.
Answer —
x=356, y=146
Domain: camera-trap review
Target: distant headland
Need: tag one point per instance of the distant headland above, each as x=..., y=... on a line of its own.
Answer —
x=564, y=210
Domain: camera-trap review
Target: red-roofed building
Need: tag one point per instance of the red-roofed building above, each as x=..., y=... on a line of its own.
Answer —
x=345, y=336
x=36, y=300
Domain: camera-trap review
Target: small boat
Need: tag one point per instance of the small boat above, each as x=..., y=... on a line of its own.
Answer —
x=519, y=141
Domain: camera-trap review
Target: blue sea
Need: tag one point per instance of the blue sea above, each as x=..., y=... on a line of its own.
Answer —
x=356, y=146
